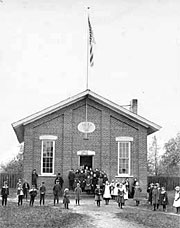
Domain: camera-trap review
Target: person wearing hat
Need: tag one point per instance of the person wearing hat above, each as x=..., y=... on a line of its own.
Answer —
x=66, y=200
x=98, y=195
x=155, y=197
x=176, y=202
x=34, y=178
x=4, y=193
x=42, y=191
x=60, y=179
x=149, y=191
x=56, y=191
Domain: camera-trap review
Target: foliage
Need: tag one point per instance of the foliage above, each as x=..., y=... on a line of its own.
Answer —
x=170, y=160
x=15, y=165
x=153, y=158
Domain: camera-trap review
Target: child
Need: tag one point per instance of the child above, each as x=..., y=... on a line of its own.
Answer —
x=107, y=195
x=125, y=185
x=20, y=194
x=163, y=198
x=120, y=196
x=33, y=194
x=78, y=192
x=4, y=193
x=149, y=191
x=98, y=195
x=42, y=193
x=18, y=183
x=56, y=192
x=177, y=199
x=26, y=188
x=115, y=191
x=112, y=186
x=137, y=193
x=155, y=197
x=88, y=184
x=159, y=189
x=66, y=200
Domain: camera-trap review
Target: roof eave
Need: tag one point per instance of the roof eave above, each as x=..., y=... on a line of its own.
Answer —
x=19, y=130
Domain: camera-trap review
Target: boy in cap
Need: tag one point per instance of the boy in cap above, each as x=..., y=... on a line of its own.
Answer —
x=4, y=193
x=56, y=192
x=42, y=193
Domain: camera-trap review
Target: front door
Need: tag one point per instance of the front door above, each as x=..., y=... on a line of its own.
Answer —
x=86, y=161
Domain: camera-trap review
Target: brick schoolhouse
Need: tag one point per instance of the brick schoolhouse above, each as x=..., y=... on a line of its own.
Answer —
x=56, y=141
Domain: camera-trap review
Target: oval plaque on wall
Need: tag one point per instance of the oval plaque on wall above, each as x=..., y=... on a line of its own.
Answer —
x=86, y=127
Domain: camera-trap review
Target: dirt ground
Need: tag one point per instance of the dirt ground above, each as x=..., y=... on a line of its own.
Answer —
x=104, y=216
x=100, y=217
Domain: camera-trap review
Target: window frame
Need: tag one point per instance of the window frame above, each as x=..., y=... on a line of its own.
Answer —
x=128, y=140
x=50, y=138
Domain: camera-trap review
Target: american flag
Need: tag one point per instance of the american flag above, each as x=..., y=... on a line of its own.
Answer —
x=91, y=42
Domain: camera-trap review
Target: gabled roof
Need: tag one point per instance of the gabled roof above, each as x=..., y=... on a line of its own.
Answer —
x=19, y=125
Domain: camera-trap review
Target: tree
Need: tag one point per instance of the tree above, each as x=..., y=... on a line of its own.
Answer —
x=170, y=160
x=153, y=158
x=16, y=164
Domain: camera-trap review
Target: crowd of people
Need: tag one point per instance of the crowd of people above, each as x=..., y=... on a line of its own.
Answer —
x=93, y=182
x=157, y=196
x=87, y=178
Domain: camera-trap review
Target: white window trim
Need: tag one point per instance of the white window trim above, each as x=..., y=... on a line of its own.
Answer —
x=124, y=139
x=49, y=138
x=86, y=153
x=127, y=140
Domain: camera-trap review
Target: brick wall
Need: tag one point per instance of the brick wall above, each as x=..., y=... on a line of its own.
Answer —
x=63, y=124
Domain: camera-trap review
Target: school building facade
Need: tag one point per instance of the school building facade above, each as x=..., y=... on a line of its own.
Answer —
x=56, y=140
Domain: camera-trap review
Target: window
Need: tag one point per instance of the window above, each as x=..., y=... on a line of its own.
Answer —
x=47, y=154
x=124, y=155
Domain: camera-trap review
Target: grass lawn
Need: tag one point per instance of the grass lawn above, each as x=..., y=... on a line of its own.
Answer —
x=150, y=218
x=44, y=216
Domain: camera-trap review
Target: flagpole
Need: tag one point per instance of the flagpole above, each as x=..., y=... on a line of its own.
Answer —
x=87, y=73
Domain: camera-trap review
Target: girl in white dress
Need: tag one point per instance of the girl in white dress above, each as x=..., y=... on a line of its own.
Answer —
x=107, y=195
x=125, y=191
x=177, y=199
x=112, y=186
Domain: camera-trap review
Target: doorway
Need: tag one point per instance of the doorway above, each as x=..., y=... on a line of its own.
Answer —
x=86, y=161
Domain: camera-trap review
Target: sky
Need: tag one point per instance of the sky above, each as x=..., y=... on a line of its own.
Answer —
x=43, y=59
